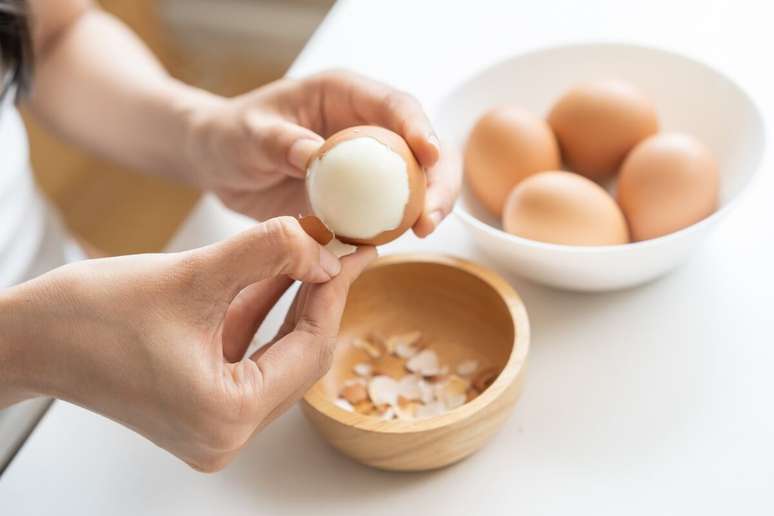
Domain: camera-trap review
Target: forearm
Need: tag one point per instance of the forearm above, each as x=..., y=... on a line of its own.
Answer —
x=98, y=86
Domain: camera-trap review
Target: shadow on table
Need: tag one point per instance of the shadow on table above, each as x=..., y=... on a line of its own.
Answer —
x=293, y=465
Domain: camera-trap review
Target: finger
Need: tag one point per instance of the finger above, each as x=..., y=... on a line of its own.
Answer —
x=247, y=312
x=273, y=248
x=284, y=146
x=443, y=187
x=287, y=324
x=294, y=362
x=294, y=313
x=349, y=99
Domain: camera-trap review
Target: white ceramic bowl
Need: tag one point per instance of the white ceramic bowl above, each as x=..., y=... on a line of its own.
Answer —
x=689, y=96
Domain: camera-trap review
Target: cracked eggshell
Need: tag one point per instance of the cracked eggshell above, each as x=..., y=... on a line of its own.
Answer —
x=315, y=228
x=366, y=186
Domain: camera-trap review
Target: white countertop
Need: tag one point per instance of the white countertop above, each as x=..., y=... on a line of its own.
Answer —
x=655, y=400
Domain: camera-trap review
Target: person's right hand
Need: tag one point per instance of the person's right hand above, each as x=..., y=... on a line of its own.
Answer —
x=156, y=342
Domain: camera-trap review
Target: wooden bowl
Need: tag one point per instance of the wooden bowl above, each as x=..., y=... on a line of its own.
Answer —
x=466, y=311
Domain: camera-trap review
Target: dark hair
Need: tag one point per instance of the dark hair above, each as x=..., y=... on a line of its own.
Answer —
x=15, y=47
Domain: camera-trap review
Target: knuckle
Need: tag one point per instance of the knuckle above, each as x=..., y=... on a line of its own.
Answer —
x=287, y=234
x=324, y=343
x=330, y=295
x=335, y=75
x=400, y=101
x=325, y=357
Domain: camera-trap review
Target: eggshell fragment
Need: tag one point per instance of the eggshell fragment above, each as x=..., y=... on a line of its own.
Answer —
x=404, y=345
x=598, y=123
x=484, y=379
x=424, y=363
x=383, y=390
x=667, y=183
x=363, y=369
x=506, y=145
x=315, y=228
x=354, y=393
x=467, y=368
x=564, y=208
x=409, y=387
x=344, y=404
x=365, y=185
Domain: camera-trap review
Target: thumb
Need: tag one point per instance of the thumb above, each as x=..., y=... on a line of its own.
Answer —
x=300, y=152
x=272, y=248
x=288, y=146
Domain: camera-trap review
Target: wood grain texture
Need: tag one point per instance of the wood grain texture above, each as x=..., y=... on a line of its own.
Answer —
x=464, y=311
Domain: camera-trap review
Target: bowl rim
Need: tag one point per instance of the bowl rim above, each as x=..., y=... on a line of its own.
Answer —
x=513, y=369
x=722, y=211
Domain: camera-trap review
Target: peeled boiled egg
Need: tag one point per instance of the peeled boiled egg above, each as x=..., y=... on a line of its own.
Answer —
x=564, y=208
x=365, y=185
x=668, y=182
x=598, y=123
x=506, y=145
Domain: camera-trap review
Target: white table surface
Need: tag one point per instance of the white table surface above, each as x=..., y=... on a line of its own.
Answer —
x=655, y=400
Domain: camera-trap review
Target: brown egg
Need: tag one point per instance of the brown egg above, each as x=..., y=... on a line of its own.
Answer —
x=564, y=208
x=598, y=123
x=668, y=182
x=506, y=145
x=365, y=185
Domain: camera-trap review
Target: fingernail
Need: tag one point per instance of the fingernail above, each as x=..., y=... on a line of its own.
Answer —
x=433, y=139
x=436, y=217
x=300, y=152
x=329, y=262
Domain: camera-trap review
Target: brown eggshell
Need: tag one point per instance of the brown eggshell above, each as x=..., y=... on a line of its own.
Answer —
x=598, y=123
x=564, y=208
x=416, y=178
x=506, y=145
x=315, y=228
x=667, y=183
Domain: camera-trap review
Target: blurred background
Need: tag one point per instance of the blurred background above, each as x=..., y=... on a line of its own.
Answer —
x=225, y=46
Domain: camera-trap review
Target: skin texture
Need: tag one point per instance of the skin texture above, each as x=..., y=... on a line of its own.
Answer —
x=416, y=178
x=156, y=342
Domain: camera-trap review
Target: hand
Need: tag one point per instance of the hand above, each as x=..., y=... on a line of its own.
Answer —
x=156, y=342
x=252, y=150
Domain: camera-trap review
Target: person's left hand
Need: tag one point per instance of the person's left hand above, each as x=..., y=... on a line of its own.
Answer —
x=252, y=150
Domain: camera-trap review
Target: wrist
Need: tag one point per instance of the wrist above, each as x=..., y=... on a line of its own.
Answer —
x=36, y=337
x=195, y=109
x=16, y=376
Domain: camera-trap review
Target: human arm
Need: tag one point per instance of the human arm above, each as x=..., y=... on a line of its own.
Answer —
x=97, y=85
x=157, y=342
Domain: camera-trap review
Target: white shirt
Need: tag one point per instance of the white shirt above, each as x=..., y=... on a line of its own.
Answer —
x=32, y=240
x=21, y=209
